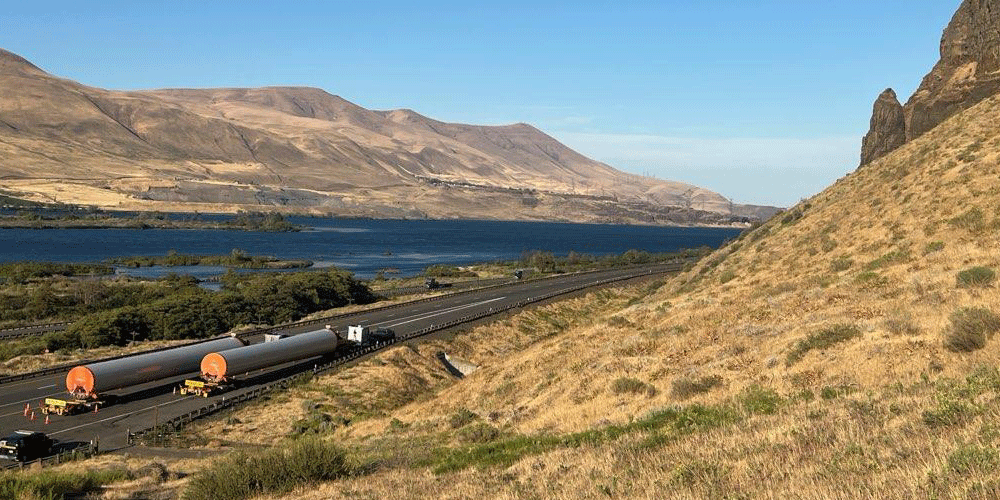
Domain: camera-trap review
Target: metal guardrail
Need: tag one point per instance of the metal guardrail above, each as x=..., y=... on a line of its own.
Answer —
x=30, y=331
x=666, y=267
x=174, y=424
x=458, y=285
x=78, y=453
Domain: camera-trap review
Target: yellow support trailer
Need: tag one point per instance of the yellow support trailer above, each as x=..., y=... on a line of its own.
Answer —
x=200, y=388
x=67, y=407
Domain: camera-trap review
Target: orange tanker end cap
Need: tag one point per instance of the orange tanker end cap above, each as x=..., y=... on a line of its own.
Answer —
x=80, y=380
x=213, y=366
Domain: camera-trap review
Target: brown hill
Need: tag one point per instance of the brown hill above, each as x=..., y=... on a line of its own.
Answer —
x=967, y=73
x=302, y=149
x=845, y=349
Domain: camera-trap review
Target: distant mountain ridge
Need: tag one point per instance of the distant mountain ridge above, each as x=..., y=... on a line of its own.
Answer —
x=305, y=150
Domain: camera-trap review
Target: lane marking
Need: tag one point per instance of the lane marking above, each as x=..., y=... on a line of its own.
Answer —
x=445, y=311
x=122, y=416
x=47, y=386
x=31, y=399
x=32, y=380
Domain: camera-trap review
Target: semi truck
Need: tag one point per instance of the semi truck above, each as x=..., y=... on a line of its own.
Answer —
x=368, y=335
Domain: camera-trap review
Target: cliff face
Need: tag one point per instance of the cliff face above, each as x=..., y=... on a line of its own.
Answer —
x=967, y=73
x=888, y=128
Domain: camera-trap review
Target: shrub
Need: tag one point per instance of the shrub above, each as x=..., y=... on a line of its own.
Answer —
x=684, y=388
x=314, y=423
x=461, y=418
x=975, y=277
x=870, y=279
x=759, y=401
x=901, y=323
x=934, y=246
x=479, y=433
x=893, y=257
x=51, y=484
x=970, y=459
x=628, y=385
x=972, y=220
x=841, y=263
x=971, y=328
x=821, y=340
x=727, y=276
x=242, y=475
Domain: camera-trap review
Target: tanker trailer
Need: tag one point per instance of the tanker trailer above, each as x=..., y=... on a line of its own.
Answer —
x=219, y=368
x=86, y=383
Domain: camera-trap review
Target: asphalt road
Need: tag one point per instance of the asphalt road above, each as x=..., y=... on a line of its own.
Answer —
x=143, y=406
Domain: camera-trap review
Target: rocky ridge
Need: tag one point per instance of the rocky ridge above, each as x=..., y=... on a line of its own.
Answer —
x=967, y=73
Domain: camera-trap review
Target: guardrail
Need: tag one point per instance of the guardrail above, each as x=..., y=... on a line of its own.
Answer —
x=666, y=267
x=33, y=330
x=80, y=452
x=172, y=425
x=458, y=285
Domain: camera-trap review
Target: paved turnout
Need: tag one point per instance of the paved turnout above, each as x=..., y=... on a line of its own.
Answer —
x=142, y=406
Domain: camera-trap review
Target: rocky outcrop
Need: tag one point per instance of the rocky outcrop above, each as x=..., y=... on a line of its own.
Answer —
x=888, y=128
x=967, y=73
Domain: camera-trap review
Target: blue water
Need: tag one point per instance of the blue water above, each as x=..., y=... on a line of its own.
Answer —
x=359, y=245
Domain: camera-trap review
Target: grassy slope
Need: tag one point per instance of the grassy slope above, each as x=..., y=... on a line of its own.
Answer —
x=817, y=343
x=892, y=422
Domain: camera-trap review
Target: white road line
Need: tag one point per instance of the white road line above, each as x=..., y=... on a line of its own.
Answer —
x=444, y=311
x=122, y=416
x=33, y=380
x=47, y=386
x=30, y=399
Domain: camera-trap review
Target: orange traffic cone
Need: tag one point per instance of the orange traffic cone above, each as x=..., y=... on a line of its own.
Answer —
x=27, y=408
x=32, y=415
x=46, y=419
x=95, y=408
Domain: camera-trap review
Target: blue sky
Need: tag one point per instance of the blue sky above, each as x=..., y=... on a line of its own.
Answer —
x=764, y=103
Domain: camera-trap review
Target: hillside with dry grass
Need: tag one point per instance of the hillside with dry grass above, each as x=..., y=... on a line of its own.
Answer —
x=303, y=150
x=842, y=350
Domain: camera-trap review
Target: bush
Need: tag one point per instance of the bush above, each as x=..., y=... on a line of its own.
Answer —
x=479, y=433
x=821, y=340
x=759, y=401
x=461, y=418
x=56, y=484
x=971, y=328
x=726, y=277
x=970, y=459
x=870, y=279
x=893, y=257
x=841, y=263
x=685, y=388
x=628, y=385
x=243, y=475
x=975, y=277
x=972, y=220
x=901, y=323
x=934, y=246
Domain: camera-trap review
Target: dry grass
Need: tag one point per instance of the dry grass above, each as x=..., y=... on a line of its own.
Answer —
x=899, y=414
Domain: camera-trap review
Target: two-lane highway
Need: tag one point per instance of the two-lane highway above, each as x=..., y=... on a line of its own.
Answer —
x=142, y=406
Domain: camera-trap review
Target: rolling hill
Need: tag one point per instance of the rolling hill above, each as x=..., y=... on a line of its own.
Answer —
x=303, y=150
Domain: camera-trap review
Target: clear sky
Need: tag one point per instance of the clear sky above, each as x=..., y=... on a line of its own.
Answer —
x=765, y=102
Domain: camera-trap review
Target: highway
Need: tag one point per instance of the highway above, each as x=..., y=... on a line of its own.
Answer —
x=143, y=406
